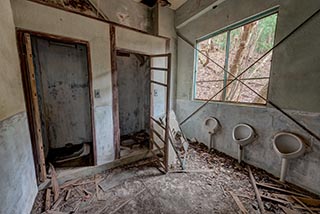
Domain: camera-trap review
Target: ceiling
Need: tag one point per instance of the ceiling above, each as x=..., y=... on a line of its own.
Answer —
x=175, y=4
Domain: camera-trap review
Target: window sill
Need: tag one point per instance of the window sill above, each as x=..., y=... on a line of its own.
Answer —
x=240, y=104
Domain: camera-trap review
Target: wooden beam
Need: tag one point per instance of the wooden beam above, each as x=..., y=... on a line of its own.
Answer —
x=280, y=190
x=253, y=182
x=239, y=203
x=115, y=93
x=48, y=200
x=275, y=199
x=35, y=108
x=302, y=204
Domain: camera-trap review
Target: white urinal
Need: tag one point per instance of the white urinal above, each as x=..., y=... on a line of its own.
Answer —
x=242, y=134
x=212, y=126
x=287, y=146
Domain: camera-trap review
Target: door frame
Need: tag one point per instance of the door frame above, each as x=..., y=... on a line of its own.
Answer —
x=27, y=83
x=115, y=93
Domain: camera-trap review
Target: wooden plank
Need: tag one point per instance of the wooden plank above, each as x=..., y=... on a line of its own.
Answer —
x=311, y=208
x=302, y=204
x=56, y=204
x=68, y=194
x=159, y=83
x=280, y=190
x=166, y=138
x=239, y=203
x=159, y=160
x=90, y=79
x=158, y=147
x=160, y=69
x=55, y=184
x=310, y=201
x=115, y=92
x=69, y=183
x=48, y=200
x=288, y=211
x=253, y=181
x=158, y=135
x=157, y=122
x=35, y=108
x=275, y=199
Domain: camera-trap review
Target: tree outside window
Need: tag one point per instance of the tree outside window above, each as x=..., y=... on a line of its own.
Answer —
x=235, y=49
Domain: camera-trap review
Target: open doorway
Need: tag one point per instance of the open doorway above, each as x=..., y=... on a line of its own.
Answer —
x=133, y=72
x=57, y=82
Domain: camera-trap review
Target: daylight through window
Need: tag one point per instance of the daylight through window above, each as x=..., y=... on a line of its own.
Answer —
x=235, y=49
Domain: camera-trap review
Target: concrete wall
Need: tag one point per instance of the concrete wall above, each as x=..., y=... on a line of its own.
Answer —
x=36, y=17
x=17, y=182
x=134, y=93
x=294, y=85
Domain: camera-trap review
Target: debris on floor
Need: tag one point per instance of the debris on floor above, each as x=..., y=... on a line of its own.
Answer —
x=134, y=142
x=211, y=183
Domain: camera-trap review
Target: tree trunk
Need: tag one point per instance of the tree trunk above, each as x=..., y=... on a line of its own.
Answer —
x=238, y=59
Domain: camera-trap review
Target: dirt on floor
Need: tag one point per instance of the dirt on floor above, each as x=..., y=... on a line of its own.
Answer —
x=212, y=183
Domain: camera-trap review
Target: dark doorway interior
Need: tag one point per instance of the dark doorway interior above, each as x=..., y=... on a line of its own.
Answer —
x=134, y=101
x=62, y=81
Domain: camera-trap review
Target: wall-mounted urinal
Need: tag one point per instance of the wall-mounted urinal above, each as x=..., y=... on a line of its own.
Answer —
x=212, y=126
x=287, y=146
x=242, y=134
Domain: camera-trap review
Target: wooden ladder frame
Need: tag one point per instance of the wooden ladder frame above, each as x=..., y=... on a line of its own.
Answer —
x=164, y=139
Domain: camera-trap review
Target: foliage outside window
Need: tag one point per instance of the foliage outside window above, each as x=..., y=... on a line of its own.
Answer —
x=235, y=49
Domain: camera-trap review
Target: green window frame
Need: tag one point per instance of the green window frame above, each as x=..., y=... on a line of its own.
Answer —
x=228, y=30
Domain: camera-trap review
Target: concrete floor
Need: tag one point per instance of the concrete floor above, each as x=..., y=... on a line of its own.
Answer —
x=141, y=188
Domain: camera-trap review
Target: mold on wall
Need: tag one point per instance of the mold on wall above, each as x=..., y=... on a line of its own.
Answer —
x=134, y=93
x=63, y=86
x=36, y=17
x=18, y=180
x=27, y=16
x=293, y=86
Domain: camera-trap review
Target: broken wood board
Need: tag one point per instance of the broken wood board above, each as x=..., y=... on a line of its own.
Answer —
x=239, y=203
x=281, y=190
x=288, y=211
x=310, y=201
x=116, y=179
x=48, y=200
x=253, y=181
x=55, y=185
x=275, y=199
x=69, y=183
x=302, y=204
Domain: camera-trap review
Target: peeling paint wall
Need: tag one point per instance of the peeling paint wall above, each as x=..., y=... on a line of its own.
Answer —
x=62, y=77
x=294, y=86
x=129, y=13
x=17, y=182
x=37, y=17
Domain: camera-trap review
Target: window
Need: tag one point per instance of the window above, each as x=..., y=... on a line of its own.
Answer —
x=234, y=49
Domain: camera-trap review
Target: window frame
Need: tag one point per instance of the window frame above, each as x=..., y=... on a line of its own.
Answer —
x=228, y=29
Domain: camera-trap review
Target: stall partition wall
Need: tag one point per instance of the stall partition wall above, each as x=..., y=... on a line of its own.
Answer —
x=57, y=84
